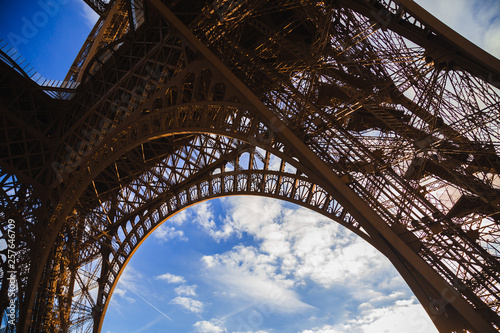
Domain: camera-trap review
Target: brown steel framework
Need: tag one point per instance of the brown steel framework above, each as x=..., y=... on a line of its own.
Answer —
x=380, y=117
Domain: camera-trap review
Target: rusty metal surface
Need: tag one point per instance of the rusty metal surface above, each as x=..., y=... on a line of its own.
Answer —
x=379, y=116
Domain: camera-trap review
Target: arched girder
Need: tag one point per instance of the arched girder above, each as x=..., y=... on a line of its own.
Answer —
x=358, y=78
x=210, y=183
x=248, y=164
x=226, y=119
x=323, y=137
x=203, y=190
x=142, y=133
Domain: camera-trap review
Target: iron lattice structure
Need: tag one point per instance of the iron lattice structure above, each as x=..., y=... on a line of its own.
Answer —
x=371, y=112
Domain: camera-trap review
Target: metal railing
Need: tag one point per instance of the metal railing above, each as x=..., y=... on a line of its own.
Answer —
x=56, y=89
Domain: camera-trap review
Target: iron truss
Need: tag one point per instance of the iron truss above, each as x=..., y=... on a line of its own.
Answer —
x=370, y=112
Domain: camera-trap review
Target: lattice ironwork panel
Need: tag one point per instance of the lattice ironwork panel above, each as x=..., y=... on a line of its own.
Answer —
x=368, y=111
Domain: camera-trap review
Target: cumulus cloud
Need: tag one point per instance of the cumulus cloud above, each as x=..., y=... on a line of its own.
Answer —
x=182, y=291
x=171, y=278
x=263, y=287
x=296, y=243
x=180, y=218
x=122, y=293
x=324, y=329
x=212, y=326
x=402, y=316
x=129, y=282
x=186, y=290
x=295, y=250
x=188, y=303
x=295, y=247
x=166, y=233
x=204, y=216
x=130, y=278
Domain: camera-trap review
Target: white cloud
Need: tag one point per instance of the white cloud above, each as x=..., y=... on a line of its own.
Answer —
x=248, y=287
x=123, y=294
x=186, y=290
x=127, y=285
x=478, y=21
x=294, y=250
x=298, y=243
x=378, y=300
x=129, y=279
x=249, y=260
x=297, y=246
x=189, y=304
x=165, y=233
x=294, y=247
x=171, y=278
x=212, y=326
x=180, y=217
x=324, y=329
x=402, y=316
x=204, y=216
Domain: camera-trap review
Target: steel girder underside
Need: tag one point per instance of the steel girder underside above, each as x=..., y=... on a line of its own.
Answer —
x=370, y=112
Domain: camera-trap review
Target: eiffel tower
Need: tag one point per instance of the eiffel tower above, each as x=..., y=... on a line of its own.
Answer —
x=389, y=119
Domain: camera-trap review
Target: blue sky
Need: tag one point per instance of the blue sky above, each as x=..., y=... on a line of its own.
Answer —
x=244, y=264
x=251, y=264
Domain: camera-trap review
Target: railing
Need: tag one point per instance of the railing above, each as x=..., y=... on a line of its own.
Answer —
x=56, y=89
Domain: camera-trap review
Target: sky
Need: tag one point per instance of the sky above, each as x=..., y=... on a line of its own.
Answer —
x=252, y=264
x=245, y=264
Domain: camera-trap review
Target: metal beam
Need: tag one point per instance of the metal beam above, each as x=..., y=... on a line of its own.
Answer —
x=327, y=178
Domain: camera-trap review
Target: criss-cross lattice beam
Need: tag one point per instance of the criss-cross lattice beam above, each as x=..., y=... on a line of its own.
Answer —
x=389, y=113
x=99, y=6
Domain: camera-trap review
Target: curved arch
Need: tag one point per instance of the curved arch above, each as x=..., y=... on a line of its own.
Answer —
x=123, y=236
x=224, y=119
x=175, y=121
x=230, y=120
x=382, y=188
x=173, y=205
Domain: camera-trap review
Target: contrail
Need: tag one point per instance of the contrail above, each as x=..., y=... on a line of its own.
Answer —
x=150, y=304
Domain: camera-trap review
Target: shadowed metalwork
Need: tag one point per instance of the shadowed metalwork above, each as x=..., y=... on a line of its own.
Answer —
x=370, y=112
